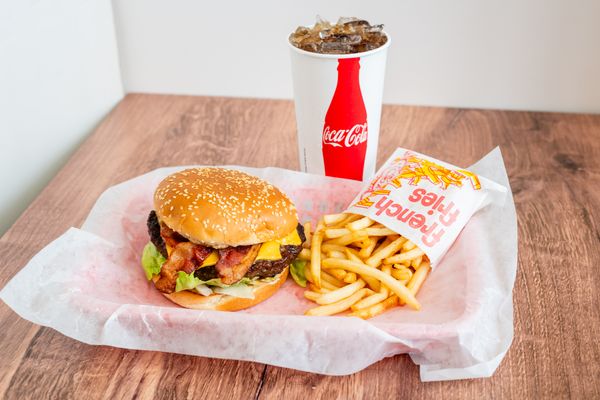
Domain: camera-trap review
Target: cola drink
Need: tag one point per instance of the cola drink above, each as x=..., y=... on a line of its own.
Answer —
x=345, y=133
x=348, y=35
x=338, y=73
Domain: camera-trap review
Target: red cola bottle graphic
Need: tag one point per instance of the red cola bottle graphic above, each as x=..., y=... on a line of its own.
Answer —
x=345, y=132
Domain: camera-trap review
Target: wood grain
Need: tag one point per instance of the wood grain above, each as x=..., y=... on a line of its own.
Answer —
x=554, y=168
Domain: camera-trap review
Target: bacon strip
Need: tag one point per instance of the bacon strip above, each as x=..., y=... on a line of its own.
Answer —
x=170, y=237
x=186, y=257
x=234, y=262
x=201, y=253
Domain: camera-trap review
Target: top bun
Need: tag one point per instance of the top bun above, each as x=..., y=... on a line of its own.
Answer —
x=219, y=207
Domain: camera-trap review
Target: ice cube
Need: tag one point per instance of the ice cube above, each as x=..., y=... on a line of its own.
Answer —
x=348, y=35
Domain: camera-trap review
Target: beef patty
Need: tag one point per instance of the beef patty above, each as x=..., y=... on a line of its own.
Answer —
x=260, y=268
x=154, y=232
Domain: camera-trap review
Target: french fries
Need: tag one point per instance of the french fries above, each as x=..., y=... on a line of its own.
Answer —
x=379, y=232
x=349, y=238
x=365, y=252
x=408, y=246
x=327, y=247
x=359, y=266
x=334, y=218
x=384, y=252
x=304, y=254
x=352, y=254
x=307, y=233
x=336, y=254
x=311, y=295
x=328, y=286
x=416, y=262
x=315, y=289
x=395, y=286
x=372, y=282
x=376, y=309
x=338, y=273
x=418, y=278
x=332, y=233
x=338, y=307
x=401, y=272
x=406, y=256
x=368, y=301
x=360, y=224
x=331, y=279
x=307, y=273
x=342, y=293
x=315, y=253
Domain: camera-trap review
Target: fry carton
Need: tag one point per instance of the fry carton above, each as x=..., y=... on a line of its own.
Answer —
x=425, y=200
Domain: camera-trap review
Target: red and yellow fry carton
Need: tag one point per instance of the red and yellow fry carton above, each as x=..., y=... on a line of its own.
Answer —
x=425, y=200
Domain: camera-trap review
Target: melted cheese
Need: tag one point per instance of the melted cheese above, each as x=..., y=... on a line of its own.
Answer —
x=269, y=251
x=293, y=238
x=211, y=259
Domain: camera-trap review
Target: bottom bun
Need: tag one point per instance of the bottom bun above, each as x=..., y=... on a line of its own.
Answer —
x=223, y=302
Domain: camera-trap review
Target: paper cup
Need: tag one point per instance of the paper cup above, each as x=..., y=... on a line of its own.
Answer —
x=338, y=110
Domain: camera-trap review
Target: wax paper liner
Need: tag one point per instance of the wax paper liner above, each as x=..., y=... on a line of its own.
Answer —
x=88, y=285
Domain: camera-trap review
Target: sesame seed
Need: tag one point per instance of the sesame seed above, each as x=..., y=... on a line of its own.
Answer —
x=216, y=197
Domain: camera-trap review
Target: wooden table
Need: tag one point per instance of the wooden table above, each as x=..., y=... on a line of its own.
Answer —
x=553, y=162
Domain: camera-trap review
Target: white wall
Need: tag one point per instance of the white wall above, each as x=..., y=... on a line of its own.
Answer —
x=59, y=76
x=510, y=54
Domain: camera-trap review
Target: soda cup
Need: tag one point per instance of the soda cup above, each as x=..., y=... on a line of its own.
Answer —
x=338, y=109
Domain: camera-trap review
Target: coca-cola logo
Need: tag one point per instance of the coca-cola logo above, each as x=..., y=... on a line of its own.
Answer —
x=345, y=137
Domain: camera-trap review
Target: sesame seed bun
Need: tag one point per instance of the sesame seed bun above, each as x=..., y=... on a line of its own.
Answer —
x=223, y=302
x=218, y=207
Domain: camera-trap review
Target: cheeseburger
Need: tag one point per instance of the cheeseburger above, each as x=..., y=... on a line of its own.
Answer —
x=220, y=239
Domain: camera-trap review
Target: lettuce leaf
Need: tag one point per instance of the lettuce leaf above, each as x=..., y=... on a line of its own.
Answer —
x=238, y=290
x=204, y=290
x=186, y=281
x=242, y=288
x=297, y=271
x=152, y=260
x=217, y=282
